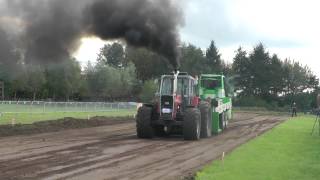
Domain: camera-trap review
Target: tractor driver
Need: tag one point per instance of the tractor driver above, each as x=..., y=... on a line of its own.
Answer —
x=213, y=84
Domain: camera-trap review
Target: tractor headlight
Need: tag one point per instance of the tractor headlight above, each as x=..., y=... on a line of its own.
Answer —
x=166, y=110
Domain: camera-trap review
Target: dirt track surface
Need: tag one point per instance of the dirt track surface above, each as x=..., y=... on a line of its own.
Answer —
x=114, y=152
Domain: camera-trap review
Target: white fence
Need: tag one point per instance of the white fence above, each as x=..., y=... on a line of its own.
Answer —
x=44, y=107
x=12, y=112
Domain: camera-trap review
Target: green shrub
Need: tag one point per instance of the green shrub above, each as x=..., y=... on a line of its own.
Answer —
x=148, y=91
x=250, y=101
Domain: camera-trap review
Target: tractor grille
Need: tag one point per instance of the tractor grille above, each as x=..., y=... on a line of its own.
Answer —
x=166, y=103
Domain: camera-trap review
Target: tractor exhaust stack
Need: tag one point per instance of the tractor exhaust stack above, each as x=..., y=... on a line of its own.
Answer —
x=175, y=81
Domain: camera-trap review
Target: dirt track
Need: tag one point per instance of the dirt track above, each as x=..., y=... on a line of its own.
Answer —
x=114, y=152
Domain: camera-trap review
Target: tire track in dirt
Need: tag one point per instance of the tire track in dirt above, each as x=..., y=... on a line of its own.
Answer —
x=114, y=152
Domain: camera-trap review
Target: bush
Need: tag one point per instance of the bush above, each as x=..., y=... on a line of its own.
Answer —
x=303, y=100
x=148, y=91
x=258, y=103
x=250, y=101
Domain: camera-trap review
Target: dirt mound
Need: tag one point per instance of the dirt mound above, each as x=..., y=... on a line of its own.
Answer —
x=60, y=124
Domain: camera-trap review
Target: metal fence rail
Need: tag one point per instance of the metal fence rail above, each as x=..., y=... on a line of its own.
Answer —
x=12, y=112
x=45, y=107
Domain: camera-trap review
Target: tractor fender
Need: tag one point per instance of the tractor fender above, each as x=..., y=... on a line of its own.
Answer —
x=154, y=111
x=148, y=105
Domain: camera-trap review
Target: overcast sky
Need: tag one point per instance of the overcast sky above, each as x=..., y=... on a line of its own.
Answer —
x=289, y=28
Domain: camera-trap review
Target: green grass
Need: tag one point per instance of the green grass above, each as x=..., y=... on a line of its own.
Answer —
x=285, y=152
x=28, y=118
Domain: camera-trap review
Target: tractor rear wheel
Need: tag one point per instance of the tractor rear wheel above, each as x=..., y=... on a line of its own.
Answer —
x=143, y=118
x=192, y=124
x=206, y=120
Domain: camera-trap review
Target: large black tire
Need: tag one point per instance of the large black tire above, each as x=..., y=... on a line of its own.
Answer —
x=206, y=120
x=226, y=120
x=143, y=118
x=192, y=124
x=221, y=121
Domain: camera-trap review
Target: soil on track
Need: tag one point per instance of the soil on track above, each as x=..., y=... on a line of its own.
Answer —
x=59, y=125
x=114, y=152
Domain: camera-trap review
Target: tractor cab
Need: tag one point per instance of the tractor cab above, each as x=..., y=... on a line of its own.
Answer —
x=177, y=92
x=211, y=86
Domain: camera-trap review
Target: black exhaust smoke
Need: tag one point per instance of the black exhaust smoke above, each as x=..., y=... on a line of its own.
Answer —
x=53, y=28
x=141, y=23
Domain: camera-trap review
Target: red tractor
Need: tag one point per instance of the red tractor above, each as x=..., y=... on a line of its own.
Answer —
x=177, y=109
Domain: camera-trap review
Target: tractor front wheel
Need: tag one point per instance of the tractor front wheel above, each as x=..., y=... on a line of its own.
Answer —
x=226, y=120
x=192, y=124
x=144, y=128
x=223, y=121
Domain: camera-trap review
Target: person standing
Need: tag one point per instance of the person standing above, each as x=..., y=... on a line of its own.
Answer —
x=318, y=101
x=318, y=105
x=294, y=109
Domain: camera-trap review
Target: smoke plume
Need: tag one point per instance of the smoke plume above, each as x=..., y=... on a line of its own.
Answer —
x=7, y=55
x=144, y=23
x=52, y=29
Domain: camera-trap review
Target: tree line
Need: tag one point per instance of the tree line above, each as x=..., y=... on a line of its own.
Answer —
x=263, y=79
x=124, y=73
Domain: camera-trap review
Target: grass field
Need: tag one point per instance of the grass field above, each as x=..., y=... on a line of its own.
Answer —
x=28, y=118
x=285, y=152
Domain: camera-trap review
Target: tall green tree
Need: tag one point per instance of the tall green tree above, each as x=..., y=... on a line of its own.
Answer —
x=149, y=65
x=112, y=55
x=276, y=75
x=36, y=79
x=105, y=82
x=148, y=91
x=260, y=70
x=192, y=60
x=63, y=79
x=298, y=78
x=213, y=62
x=9, y=66
x=128, y=80
x=241, y=68
x=18, y=83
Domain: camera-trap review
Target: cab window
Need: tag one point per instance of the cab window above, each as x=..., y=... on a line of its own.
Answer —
x=210, y=83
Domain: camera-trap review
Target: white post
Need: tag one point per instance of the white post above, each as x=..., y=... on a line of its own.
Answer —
x=13, y=121
x=222, y=158
x=31, y=109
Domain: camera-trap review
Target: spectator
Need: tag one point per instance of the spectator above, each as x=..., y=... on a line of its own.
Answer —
x=294, y=109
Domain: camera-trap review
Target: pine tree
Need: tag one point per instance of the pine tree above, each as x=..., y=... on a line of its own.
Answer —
x=213, y=59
